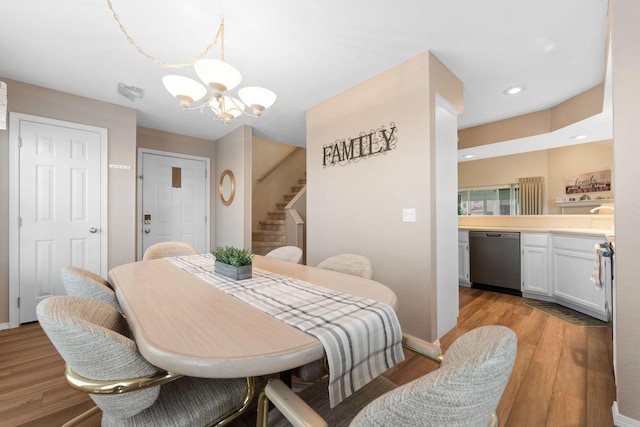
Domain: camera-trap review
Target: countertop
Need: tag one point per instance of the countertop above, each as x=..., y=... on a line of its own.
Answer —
x=582, y=225
x=608, y=233
x=586, y=231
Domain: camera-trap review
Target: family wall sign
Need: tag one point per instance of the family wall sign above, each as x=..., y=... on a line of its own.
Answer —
x=346, y=150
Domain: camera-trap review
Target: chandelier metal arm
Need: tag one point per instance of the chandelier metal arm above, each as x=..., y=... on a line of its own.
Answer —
x=219, y=36
x=222, y=107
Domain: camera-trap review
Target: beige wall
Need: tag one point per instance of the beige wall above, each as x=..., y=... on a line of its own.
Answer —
x=120, y=123
x=569, y=161
x=556, y=165
x=266, y=153
x=502, y=170
x=626, y=125
x=357, y=207
x=174, y=143
x=233, y=222
x=571, y=111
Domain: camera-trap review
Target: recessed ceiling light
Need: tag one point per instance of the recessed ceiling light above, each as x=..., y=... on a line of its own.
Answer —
x=514, y=90
x=468, y=156
x=579, y=137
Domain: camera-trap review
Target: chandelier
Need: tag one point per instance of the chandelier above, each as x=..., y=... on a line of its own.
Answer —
x=218, y=77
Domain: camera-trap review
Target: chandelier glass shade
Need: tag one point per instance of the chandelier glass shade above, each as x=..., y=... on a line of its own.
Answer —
x=218, y=75
x=184, y=88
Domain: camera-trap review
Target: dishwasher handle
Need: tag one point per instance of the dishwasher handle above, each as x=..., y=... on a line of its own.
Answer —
x=494, y=234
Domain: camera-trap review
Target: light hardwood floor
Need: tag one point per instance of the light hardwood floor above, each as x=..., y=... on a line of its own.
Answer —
x=563, y=374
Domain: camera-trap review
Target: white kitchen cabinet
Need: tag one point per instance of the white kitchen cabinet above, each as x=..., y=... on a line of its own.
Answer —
x=463, y=258
x=535, y=263
x=572, y=267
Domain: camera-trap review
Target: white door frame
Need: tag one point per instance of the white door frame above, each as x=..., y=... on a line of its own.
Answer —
x=207, y=190
x=14, y=201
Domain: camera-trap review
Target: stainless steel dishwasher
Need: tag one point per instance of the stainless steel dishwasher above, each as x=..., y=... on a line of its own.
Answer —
x=494, y=260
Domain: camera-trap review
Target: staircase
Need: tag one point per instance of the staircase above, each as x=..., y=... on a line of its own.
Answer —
x=272, y=232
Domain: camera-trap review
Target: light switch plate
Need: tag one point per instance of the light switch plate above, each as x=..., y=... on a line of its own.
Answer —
x=409, y=215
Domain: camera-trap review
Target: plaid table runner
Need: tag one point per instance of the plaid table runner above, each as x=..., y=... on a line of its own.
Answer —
x=361, y=337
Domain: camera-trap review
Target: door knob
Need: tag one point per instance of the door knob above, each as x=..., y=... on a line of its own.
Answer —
x=147, y=230
x=93, y=230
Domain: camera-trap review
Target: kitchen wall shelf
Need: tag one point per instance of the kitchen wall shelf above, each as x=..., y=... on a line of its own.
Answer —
x=582, y=203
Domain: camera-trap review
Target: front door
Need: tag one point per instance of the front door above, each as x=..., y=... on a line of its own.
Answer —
x=60, y=212
x=174, y=199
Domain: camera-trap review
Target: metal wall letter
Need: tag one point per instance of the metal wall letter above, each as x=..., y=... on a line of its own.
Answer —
x=346, y=150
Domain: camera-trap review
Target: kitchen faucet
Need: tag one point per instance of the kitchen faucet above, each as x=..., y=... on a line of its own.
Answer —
x=596, y=209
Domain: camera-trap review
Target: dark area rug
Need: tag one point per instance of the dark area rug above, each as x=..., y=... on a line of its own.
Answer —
x=563, y=313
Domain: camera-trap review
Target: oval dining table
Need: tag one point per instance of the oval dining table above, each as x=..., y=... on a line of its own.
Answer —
x=185, y=325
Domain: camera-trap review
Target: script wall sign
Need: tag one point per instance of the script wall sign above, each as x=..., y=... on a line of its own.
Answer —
x=366, y=144
x=589, y=182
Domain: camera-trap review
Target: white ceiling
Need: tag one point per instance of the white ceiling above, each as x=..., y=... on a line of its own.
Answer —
x=306, y=51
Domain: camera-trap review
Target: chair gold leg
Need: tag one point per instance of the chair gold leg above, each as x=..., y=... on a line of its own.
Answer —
x=88, y=418
x=263, y=410
x=239, y=410
x=493, y=422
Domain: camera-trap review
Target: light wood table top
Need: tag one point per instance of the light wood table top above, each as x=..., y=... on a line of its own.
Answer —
x=184, y=325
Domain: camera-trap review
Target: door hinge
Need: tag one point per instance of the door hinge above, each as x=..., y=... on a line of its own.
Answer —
x=19, y=221
x=205, y=219
x=18, y=302
x=140, y=176
x=19, y=142
x=206, y=174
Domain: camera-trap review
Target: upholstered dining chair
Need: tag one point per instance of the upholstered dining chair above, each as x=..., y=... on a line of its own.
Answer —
x=101, y=360
x=168, y=249
x=354, y=264
x=287, y=253
x=464, y=391
x=83, y=283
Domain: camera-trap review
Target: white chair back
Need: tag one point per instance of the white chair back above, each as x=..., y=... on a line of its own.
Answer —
x=287, y=253
x=168, y=249
x=353, y=264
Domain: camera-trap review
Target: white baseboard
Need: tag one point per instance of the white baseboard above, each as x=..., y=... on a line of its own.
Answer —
x=622, y=421
x=4, y=326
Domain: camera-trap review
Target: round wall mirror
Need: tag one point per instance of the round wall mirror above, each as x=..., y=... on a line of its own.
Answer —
x=227, y=187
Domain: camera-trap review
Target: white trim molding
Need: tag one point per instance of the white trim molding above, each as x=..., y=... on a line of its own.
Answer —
x=620, y=420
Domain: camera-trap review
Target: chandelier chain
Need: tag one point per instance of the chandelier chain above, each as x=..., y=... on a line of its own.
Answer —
x=219, y=36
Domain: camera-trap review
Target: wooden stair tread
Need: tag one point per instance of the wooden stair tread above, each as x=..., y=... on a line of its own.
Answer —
x=273, y=221
x=267, y=232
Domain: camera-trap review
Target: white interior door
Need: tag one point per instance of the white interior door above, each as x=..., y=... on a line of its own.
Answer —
x=60, y=213
x=174, y=199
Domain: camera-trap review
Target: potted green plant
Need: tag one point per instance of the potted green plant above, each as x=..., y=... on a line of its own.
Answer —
x=233, y=263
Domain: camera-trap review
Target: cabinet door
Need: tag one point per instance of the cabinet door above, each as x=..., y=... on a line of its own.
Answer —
x=535, y=263
x=572, y=266
x=463, y=262
x=463, y=258
x=535, y=270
